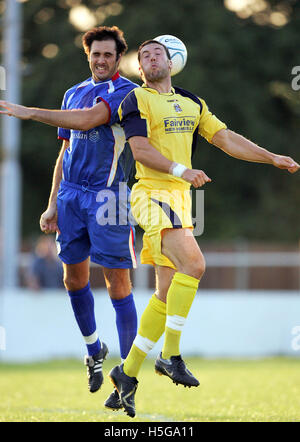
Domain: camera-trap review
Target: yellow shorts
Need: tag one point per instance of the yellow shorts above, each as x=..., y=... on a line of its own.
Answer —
x=158, y=208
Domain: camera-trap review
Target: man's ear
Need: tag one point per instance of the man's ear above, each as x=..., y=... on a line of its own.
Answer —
x=141, y=74
x=118, y=61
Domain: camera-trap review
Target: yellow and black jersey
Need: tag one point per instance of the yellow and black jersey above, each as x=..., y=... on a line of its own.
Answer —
x=171, y=122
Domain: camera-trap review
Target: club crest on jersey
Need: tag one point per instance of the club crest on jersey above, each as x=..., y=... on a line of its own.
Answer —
x=177, y=107
x=94, y=136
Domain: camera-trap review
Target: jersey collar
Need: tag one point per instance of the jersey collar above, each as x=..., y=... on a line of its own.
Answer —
x=114, y=78
x=154, y=91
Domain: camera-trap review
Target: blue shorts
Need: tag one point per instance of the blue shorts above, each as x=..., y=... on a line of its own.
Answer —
x=95, y=223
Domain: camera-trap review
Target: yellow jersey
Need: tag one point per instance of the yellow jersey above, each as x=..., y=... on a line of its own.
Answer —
x=171, y=122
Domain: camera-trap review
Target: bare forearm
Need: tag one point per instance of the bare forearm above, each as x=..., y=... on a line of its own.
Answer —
x=69, y=119
x=57, y=175
x=78, y=119
x=146, y=154
x=239, y=147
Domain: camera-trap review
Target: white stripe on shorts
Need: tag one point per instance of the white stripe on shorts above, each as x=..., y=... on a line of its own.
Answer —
x=131, y=249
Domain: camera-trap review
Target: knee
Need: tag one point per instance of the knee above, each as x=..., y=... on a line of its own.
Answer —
x=74, y=283
x=118, y=284
x=194, y=267
x=198, y=267
x=119, y=289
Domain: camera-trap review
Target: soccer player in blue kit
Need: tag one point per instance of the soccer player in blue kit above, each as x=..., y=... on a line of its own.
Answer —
x=92, y=160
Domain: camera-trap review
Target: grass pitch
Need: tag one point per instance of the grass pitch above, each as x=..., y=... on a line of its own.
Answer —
x=231, y=391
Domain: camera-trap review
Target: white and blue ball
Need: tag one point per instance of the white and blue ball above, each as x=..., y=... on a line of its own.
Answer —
x=177, y=51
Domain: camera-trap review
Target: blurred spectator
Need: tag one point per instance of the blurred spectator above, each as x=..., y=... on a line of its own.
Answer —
x=46, y=269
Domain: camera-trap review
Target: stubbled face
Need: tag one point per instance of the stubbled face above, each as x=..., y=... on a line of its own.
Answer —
x=154, y=63
x=103, y=59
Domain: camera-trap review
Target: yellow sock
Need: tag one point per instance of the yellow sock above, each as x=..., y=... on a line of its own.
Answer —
x=152, y=326
x=133, y=362
x=181, y=294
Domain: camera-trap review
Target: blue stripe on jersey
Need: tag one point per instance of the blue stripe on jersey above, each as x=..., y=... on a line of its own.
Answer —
x=135, y=125
x=93, y=156
x=193, y=97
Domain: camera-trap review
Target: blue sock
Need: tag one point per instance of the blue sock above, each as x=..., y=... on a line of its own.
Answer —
x=126, y=320
x=83, y=307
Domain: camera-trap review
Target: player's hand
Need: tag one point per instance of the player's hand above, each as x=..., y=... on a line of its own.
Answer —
x=196, y=177
x=14, y=110
x=48, y=220
x=287, y=163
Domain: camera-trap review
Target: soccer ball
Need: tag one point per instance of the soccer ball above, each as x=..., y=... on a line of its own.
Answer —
x=177, y=51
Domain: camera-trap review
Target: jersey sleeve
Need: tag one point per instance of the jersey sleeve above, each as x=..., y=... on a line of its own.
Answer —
x=209, y=124
x=134, y=117
x=112, y=102
x=64, y=134
x=110, y=107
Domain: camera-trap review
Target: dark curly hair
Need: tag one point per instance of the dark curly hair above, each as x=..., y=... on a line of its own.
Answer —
x=105, y=33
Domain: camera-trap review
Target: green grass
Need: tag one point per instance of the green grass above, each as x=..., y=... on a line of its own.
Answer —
x=231, y=391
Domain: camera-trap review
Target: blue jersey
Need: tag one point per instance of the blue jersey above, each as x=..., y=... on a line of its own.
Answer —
x=98, y=157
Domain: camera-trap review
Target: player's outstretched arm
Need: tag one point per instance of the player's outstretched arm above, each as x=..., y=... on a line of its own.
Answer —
x=48, y=220
x=239, y=147
x=77, y=119
x=146, y=154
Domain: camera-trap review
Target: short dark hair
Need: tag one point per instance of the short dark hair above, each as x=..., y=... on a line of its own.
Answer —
x=105, y=33
x=147, y=42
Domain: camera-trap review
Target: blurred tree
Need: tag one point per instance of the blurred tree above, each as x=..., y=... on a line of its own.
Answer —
x=240, y=59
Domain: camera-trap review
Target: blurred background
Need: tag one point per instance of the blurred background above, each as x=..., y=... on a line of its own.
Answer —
x=242, y=59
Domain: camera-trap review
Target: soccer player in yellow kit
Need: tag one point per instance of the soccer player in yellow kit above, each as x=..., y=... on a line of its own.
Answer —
x=161, y=124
